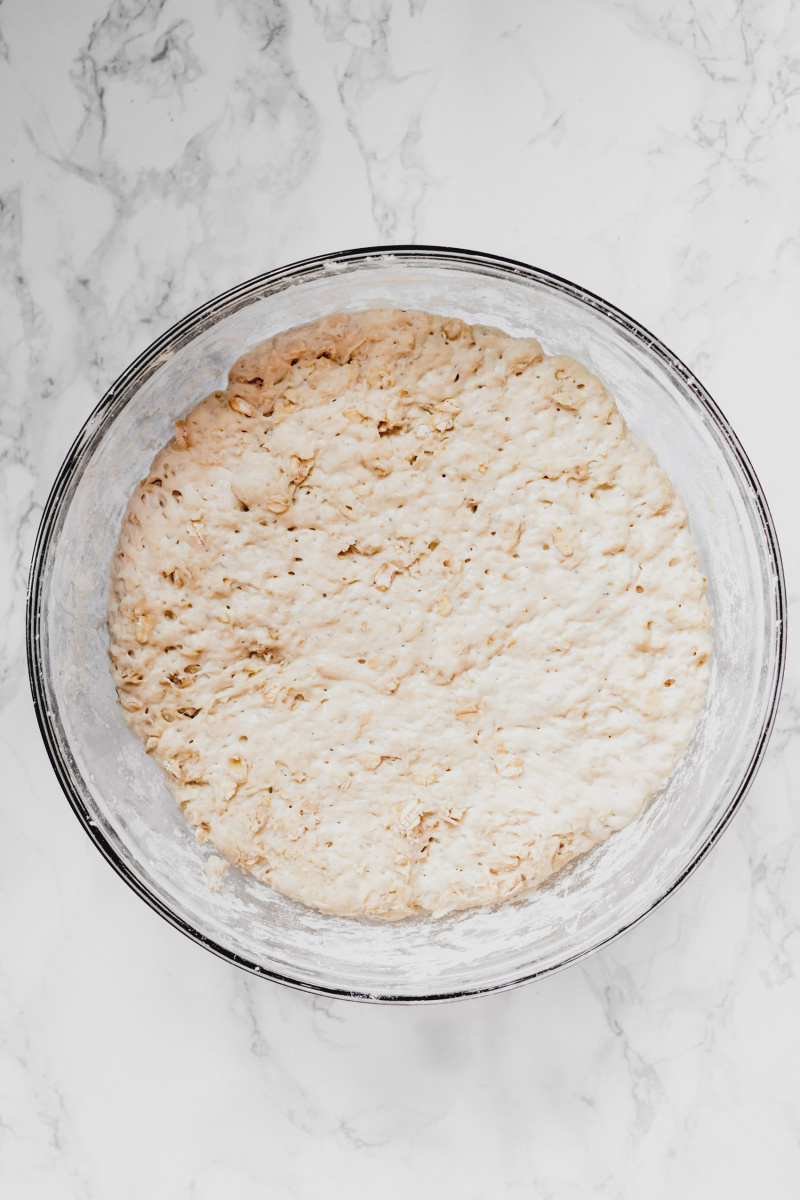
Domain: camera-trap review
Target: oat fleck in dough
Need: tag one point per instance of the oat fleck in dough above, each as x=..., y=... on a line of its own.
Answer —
x=407, y=616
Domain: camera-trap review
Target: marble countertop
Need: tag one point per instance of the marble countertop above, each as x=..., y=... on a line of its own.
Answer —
x=156, y=152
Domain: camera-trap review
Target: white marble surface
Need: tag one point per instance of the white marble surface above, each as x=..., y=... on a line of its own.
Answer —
x=156, y=152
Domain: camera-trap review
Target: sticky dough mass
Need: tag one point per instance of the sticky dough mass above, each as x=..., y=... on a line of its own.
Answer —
x=407, y=616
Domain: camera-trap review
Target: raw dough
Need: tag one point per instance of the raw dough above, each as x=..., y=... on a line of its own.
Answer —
x=407, y=616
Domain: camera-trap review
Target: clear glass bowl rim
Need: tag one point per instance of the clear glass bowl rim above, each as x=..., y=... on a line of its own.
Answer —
x=147, y=362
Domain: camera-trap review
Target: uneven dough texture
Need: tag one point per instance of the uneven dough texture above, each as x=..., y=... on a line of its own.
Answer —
x=407, y=616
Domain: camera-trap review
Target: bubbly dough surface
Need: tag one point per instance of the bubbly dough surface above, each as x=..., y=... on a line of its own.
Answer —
x=407, y=616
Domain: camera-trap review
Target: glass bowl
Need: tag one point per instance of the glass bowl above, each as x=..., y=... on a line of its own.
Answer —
x=119, y=794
